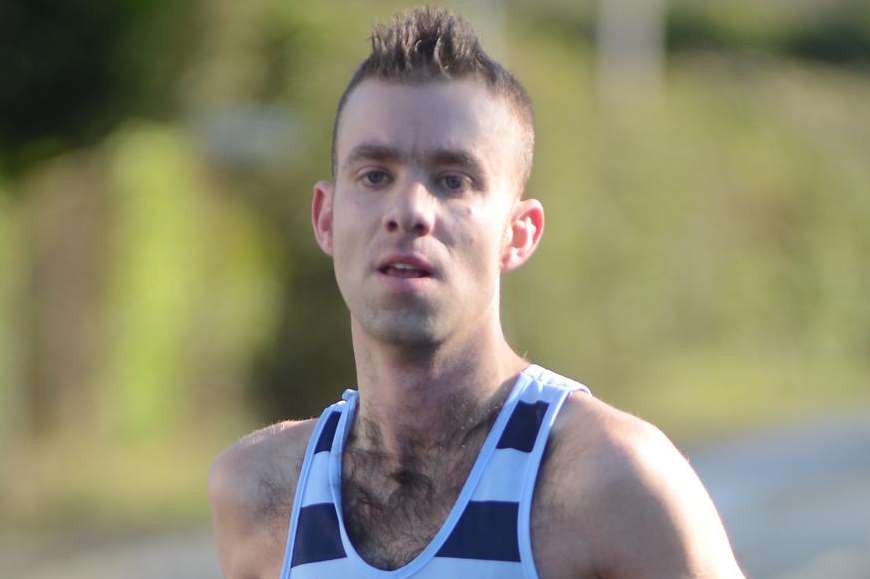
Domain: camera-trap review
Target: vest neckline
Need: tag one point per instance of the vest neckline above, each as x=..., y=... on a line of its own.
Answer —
x=351, y=397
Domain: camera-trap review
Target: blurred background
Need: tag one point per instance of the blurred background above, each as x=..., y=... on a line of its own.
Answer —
x=706, y=175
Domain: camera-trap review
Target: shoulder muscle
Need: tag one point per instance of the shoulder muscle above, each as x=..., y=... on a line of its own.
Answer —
x=251, y=486
x=644, y=511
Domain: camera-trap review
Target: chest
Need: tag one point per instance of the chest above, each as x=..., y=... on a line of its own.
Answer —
x=392, y=512
x=557, y=556
x=391, y=519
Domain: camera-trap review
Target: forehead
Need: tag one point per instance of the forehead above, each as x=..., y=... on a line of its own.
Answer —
x=436, y=115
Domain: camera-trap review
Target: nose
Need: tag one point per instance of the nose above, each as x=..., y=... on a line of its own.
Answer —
x=412, y=211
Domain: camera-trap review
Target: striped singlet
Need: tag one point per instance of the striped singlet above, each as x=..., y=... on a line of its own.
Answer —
x=486, y=534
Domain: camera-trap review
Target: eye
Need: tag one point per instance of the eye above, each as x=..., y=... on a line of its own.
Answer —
x=455, y=183
x=375, y=178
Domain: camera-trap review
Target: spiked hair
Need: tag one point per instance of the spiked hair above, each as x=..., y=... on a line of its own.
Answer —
x=430, y=44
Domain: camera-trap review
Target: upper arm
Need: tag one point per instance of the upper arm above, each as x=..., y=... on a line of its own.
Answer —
x=232, y=500
x=250, y=488
x=656, y=518
x=633, y=502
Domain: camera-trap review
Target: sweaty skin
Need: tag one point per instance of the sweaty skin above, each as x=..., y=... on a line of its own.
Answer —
x=422, y=220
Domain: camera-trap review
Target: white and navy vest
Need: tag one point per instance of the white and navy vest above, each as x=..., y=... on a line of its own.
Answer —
x=487, y=533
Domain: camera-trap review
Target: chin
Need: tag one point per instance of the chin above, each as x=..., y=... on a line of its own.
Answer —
x=404, y=329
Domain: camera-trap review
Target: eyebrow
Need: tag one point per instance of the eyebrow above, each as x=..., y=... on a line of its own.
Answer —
x=385, y=153
x=457, y=158
x=372, y=152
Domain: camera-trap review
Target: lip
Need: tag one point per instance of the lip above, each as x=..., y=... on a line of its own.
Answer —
x=414, y=260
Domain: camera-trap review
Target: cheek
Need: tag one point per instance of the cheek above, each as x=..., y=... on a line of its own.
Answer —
x=351, y=218
x=480, y=234
x=348, y=238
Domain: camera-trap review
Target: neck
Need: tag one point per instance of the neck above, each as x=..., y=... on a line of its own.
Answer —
x=429, y=397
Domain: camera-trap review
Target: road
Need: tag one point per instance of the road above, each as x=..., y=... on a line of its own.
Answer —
x=796, y=502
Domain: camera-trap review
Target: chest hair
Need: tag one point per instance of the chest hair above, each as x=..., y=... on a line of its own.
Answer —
x=392, y=511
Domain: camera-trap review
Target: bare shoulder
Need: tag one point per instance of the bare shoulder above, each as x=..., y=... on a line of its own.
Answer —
x=246, y=473
x=633, y=497
x=251, y=488
x=616, y=443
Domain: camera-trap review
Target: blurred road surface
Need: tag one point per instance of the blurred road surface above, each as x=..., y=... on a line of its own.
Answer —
x=796, y=503
x=173, y=555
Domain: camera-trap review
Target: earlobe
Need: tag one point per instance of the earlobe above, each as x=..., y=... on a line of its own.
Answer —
x=526, y=228
x=321, y=215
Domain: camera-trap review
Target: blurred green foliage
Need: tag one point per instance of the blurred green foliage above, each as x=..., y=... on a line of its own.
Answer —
x=704, y=263
x=834, y=32
x=74, y=69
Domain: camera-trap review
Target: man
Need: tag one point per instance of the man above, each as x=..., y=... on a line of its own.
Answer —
x=436, y=466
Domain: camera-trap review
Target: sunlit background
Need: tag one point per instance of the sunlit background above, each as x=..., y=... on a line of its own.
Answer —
x=704, y=165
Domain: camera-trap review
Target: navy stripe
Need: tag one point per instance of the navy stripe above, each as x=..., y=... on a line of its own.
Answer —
x=486, y=530
x=328, y=433
x=317, y=535
x=522, y=428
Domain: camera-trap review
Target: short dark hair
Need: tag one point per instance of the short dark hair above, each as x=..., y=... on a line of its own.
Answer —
x=427, y=44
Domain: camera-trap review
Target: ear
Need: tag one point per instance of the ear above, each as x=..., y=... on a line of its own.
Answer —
x=524, y=232
x=321, y=215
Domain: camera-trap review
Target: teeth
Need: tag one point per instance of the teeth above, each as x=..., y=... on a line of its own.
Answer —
x=404, y=266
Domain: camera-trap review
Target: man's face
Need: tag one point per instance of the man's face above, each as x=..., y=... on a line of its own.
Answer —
x=421, y=216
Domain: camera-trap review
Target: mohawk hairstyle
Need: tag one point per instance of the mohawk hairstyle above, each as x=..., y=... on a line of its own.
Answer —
x=431, y=44
x=426, y=43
